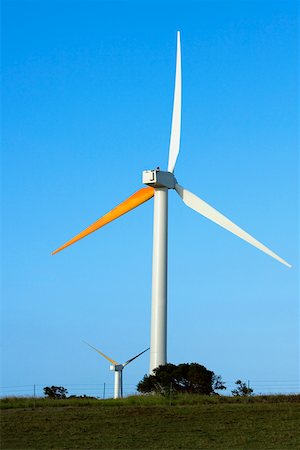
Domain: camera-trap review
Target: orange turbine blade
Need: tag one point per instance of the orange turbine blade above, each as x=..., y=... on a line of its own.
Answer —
x=105, y=356
x=130, y=203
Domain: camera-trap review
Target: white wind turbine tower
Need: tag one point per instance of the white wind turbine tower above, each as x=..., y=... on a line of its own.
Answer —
x=118, y=369
x=159, y=182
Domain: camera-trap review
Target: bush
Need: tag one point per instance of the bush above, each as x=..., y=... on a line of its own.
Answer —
x=185, y=378
x=242, y=390
x=55, y=392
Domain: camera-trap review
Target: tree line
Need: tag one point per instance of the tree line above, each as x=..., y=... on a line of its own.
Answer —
x=190, y=378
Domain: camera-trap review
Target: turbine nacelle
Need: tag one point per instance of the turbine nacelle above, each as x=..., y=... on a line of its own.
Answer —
x=159, y=179
x=117, y=367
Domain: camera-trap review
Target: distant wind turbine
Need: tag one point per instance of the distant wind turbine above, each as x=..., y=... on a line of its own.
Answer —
x=118, y=369
x=159, y=182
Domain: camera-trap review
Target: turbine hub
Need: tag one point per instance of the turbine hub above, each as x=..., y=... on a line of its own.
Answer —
x=159, y=178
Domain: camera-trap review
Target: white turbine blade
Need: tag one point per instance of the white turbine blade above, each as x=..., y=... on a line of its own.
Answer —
x=130, y=360
x=176, y=118
x=212, y=214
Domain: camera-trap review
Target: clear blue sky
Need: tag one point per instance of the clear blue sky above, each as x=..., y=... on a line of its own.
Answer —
x=87, y=102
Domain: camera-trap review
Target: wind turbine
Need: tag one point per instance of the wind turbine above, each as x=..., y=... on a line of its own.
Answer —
x=159, y=182
x=118, y=369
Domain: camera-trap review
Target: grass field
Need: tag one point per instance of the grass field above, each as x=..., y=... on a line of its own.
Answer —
x=190, y=422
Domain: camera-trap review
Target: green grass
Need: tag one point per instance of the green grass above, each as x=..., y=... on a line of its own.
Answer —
x=149, y=422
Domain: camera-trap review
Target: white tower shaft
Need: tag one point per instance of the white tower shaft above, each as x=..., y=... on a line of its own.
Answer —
x=118, y=384
x=158, y=346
